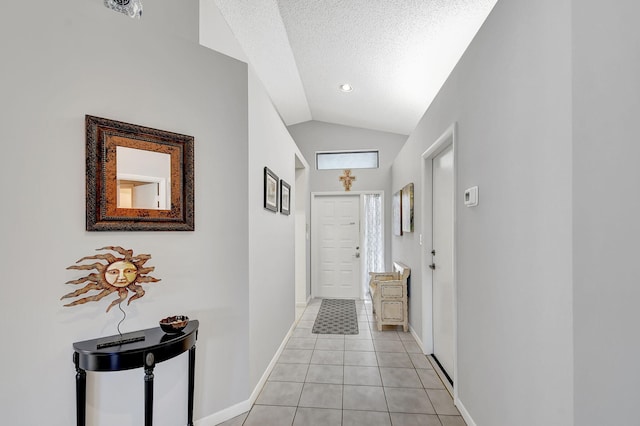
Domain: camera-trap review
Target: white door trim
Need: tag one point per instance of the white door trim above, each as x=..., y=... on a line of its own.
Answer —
x=314, y=230
x=449, y=137
x=301, y=215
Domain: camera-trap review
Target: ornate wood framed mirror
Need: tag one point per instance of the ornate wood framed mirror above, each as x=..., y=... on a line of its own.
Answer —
x=138, y=178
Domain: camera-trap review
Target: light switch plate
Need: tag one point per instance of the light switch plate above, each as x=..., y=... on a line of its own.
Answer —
x=471, y=197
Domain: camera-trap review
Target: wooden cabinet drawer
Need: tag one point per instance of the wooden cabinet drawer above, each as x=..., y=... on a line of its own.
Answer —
x=391, y=291
x=389, y=296
x=392, y=311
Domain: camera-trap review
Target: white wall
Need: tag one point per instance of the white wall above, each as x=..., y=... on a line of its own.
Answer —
x=74, y=58
x=271, y=236
x=510, y=95
x=216, y=34
x=606, y=229
x=315, y=136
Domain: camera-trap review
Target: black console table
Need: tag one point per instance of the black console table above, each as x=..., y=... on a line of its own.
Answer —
x=156, y=347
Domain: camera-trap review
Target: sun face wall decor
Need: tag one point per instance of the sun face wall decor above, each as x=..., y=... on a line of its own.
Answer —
x=118, y=274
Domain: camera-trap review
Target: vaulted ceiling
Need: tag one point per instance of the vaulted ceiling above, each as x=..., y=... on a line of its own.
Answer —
x=395, y=53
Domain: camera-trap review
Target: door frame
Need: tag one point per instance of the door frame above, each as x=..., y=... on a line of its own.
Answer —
x=448, y=138
x=300, y=203
x=314, y=232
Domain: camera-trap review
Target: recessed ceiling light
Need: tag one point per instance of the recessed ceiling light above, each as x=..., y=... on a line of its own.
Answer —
x=346, y=87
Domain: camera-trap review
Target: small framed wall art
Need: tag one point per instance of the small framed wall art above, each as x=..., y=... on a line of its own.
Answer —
x=285, y=197
x=397, y=213
x=270, y=190
x=407, y=208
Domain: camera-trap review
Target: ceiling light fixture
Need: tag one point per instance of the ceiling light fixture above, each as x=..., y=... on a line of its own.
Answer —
x=346, y=87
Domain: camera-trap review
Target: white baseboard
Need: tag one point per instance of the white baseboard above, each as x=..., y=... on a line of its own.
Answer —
x=244, y=406
x=453, y=392
x=265, y=376
x=465, y=414
x=417, y=338
x=304, y=304
x=224, y=415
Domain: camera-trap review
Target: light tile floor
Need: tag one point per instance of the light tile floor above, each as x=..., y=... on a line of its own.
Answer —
x=372, y=378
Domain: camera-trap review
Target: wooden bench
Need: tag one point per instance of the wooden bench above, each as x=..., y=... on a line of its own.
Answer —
x=389, y=296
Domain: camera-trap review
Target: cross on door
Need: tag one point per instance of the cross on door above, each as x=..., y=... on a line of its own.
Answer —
x=347, y=179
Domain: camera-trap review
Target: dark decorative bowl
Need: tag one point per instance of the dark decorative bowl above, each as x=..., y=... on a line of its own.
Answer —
x=174, y=324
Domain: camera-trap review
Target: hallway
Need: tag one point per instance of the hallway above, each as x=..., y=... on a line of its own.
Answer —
x=372, y=378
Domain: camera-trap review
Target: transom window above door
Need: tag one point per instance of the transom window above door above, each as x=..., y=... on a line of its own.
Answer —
x=337, y=160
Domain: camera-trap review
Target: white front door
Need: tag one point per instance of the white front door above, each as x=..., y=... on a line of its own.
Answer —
x=336, y=246
x=442, y=265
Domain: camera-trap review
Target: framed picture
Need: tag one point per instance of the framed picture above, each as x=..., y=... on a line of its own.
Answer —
x=407, y=208
x=285, y=197
x=397, y=213
x=270, y=190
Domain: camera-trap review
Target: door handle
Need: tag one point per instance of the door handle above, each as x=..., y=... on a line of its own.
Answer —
x=357, y=252
x=432, y=266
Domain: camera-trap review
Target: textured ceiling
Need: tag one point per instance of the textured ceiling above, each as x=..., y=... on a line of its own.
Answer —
x=396, y=54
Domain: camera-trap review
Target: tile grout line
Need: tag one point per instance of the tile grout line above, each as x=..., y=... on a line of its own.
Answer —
x=378, y=369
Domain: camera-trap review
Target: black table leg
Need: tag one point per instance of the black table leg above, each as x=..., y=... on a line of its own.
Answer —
x=81, y=392
x=149, y=364
x=93, y=355
x=192, y=370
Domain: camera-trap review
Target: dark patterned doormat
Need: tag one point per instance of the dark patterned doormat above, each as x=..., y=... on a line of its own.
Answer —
x=336, y=316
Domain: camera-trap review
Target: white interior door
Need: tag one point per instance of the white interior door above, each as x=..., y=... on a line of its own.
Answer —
x=336, y=246
x=145, y=195
x=442, y=260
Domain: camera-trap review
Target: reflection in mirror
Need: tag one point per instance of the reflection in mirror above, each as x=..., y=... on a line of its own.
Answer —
x=143, y=179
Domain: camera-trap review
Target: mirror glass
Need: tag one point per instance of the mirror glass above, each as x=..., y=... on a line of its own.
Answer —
x=143, y=179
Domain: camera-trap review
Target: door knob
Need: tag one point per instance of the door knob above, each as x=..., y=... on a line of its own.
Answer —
x=432, y=266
